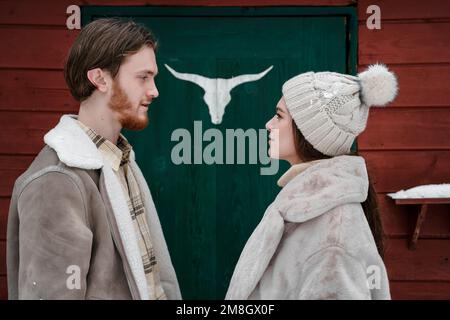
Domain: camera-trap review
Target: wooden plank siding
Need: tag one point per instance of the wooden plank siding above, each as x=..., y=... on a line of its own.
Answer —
x=408, y=143
x=404, y=145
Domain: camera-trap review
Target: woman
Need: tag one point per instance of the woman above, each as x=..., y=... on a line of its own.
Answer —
x=322, y=237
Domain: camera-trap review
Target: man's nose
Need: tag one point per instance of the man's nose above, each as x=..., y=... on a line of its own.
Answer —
x=152, y=92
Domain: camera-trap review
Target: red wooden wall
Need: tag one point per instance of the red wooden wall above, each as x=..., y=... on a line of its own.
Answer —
x=408, y=143
x=405, y=144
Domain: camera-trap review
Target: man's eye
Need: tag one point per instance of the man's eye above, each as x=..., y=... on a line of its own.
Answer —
x=144, y=77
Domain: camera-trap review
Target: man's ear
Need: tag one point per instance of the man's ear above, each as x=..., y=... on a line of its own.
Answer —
x=99, y=78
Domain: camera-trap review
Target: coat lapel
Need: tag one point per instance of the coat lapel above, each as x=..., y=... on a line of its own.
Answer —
x=126, y=229
x=256, y=255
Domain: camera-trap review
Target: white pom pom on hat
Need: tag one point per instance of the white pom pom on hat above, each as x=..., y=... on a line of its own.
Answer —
x=378, y=85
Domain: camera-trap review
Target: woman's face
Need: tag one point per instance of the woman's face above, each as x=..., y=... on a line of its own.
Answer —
x=281, y=135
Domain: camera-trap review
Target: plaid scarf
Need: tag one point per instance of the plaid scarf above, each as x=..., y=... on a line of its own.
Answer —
x=118, y=157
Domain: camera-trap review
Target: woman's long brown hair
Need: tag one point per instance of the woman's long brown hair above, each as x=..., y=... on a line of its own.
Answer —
x=306, y=152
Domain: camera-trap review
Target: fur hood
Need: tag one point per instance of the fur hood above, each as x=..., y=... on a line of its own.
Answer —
x=313, y=188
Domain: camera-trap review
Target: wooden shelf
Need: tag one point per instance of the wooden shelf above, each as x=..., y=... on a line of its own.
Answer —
x=422, y=201
x=423, y=208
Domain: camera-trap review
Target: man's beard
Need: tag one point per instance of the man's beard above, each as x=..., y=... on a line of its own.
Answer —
x=127, y=114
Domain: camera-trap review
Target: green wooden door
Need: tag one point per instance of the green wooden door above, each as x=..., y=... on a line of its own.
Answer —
x=208, y=211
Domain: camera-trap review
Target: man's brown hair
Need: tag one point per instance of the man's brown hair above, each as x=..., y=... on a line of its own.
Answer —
x=104, y=44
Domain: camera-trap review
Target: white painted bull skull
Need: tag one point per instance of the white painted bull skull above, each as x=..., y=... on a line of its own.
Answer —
x=217, y=90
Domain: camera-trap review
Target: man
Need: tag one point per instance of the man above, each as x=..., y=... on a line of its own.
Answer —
x=82, y=223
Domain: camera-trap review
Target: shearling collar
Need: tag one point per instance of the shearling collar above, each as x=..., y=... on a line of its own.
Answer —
x=72, y=145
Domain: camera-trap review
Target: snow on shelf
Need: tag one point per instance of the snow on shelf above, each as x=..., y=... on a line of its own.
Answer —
x=423, y=191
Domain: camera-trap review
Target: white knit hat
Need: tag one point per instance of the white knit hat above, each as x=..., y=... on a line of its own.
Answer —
x=331, y=109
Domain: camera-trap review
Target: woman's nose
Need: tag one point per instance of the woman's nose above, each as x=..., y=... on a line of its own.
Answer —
x=269, y=125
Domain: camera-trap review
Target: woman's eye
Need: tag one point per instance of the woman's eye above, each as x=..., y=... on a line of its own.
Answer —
x=278, y=116
x=144, y=77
